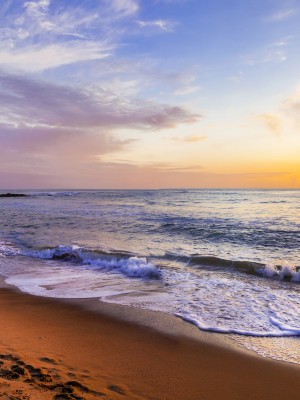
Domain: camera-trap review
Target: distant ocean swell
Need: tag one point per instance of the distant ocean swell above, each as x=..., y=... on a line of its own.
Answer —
x=222, y=231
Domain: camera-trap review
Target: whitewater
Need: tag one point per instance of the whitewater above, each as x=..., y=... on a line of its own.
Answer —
x=224, y=260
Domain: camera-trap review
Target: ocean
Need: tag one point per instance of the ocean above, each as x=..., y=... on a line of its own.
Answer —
x=226, y=261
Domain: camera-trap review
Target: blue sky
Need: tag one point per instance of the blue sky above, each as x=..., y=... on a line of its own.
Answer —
x=156, y=93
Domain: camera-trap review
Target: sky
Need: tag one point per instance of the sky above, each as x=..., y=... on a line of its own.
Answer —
x=120, y=94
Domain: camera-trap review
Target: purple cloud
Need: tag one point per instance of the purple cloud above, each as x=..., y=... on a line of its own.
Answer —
x=40, y=103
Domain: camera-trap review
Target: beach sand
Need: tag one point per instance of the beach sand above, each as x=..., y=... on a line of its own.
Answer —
x=51, y=349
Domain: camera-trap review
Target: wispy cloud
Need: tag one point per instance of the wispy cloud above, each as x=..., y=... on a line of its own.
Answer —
x=173, y=167
x=37, y=8
x=135, y=75
x=152, y=166
x=164, y=25
x=291, y=108
x=124, y=7
x=273, y=122
x=275, y=52
x=287, y=116
x=24, y=99
x=190, y=138
x=189, y=89
x=52, y=56
x=40, y=36
x=55, y=34
x=281, y=15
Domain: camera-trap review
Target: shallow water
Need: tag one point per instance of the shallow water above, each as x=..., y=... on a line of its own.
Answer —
x=227, y=261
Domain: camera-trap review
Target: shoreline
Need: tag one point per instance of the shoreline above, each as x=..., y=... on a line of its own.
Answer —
x=72, y=349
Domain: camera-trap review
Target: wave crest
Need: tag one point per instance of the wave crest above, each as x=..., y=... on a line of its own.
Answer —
x=131, y=266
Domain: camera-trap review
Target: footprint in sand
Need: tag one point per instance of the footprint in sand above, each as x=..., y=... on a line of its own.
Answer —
x=12, y=368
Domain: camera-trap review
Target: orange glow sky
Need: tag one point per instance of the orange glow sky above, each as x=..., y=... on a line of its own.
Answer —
x=149, y=94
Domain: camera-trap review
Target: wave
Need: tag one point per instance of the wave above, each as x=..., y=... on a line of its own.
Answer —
x=137, y=266
x=231, y=231
x=8, y=249
x=211, y=301
x=282, y=272
x=118, y=262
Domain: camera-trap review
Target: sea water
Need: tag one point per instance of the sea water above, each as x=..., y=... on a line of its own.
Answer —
x=224, y=260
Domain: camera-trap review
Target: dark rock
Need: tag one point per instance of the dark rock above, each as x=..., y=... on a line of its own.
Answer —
x=13, y=195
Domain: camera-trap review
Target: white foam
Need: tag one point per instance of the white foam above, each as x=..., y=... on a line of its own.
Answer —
x=219, y=302
x=63, y=280
x=284, y=327
x=283, y=330
x=134, y=267
x=284, y=272
x=7, y=249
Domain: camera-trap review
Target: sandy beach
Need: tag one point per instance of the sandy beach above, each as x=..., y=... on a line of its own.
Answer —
x=56, y=350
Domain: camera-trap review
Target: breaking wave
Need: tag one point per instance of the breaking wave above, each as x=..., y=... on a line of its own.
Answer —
x=124, y=263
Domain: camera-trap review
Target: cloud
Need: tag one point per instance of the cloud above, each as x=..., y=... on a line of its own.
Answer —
x=124, y=7
x=52, y=56
x=291, y=108
x=292, y=103
x=135, y=75
x=191, y=138
x=273, y=122
x=172, y=167
x=275, y=52
x=124, y=87
x=286, y=118
x=270, y=54
x=187, y=90
x=61, y=127
x=46, y=128
x=36, y=102
x=54, y=34
x=164, y=25
x=155, y=166
x=37, y=9
x=281, y=15
x=49, y=129
x=84, y=36
x=44, y=143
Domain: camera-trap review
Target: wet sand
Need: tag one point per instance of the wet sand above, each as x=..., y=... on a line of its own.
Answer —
x=51, y=349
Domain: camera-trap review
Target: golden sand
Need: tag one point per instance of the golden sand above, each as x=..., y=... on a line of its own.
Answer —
x=53, y=350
